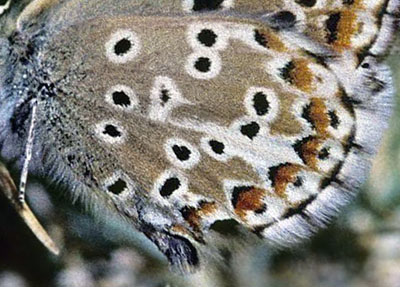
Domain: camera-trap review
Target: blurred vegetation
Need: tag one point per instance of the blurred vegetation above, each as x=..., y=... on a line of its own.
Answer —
x=361, y=248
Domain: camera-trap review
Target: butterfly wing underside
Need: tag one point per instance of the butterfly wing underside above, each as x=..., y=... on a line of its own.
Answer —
x=265, y=113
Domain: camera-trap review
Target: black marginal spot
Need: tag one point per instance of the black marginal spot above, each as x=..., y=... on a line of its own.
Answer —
x=299, y=182
x=285, y=72
x=306, y=3
x=250, y=130
x=120, y=98
x=260, y=38
x=283, y=20
x=273, y=171
x=165, y=96
x=122, y=47
x=334, y=119
x=332, y=26
x=117, y=187
x=169, y=186
x=323, y=154
x=112, y=131
x=333, y=177
x=261, y=210
x=365, y=66
x=207, y=5
x=261, y=104
x=216, y=146
x=300, y=208
x=207, y=37
x=181, y=152
x=237, y=190
x=350, y=143
x=203, y=64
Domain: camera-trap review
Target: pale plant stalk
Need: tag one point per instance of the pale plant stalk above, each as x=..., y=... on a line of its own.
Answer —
x=7, y=186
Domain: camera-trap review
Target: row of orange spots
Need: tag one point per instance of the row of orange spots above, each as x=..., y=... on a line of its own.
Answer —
x=194, y=215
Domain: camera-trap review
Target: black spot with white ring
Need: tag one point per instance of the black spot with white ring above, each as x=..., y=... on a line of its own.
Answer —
x=182, y=152
x=122, y=46
x=170, y=186
x=217, y=147
x=203, y=64
x=250, y=130
x=207, y=37
x=261, y=104
x=112, y=131
x=117, y=187
x=120, y=98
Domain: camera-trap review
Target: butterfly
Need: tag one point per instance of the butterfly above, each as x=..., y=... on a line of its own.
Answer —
x=176, y=115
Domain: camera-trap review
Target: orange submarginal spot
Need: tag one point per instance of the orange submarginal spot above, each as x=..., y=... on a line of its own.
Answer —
x=207, y=208
x=284, y=175
x=319, y=116
x=272, y=40
x=302, y=76
x=310, y=152
x=347, y=27
x=193, y=215
x=248, y=199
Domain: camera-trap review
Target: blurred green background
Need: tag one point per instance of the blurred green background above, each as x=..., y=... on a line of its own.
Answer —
x=360, y=248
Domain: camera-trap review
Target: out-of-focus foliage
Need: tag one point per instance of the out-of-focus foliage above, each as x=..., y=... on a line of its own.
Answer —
x=361, y=248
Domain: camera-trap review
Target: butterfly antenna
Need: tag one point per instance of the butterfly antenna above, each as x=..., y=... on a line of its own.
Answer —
x=27, y=154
